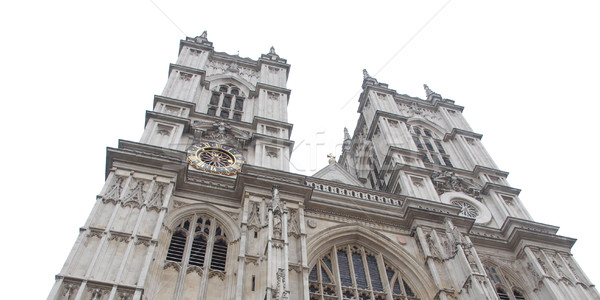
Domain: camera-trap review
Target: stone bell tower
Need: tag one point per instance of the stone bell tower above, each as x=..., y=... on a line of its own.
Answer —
x=176, y=219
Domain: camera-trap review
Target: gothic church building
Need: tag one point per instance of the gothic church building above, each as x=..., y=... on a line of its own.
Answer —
x=204, y=205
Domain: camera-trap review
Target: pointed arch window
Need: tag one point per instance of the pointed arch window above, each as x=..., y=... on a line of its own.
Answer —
x=227, y=102
x=359, y=273
x=430, y=145
x=198, y=241
x=500, y=280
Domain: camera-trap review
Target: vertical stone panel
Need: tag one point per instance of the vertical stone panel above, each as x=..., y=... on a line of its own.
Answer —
x=215, y=288
x=84, y=256
x=134, y=265
x=100, y=219
x=191, y=287
x=148, y=223
x=166, y=284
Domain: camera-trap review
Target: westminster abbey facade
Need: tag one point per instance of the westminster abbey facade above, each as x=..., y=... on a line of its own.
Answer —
x=204, y=205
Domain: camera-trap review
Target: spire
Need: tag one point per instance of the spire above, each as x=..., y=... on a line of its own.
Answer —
x=346, y=134
x=368, y=79
x=272, y=55
x=203, y=35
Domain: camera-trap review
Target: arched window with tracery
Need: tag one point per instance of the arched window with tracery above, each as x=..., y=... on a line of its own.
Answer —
x=355, y=272
x=430, y=145
x=192, y=239
x=503, y=286
x=227, y=102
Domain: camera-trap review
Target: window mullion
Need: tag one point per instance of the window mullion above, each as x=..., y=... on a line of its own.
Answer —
x=352, y=273
x=210, y=244
x=367, y=273
x=336, y=272
x=188, y=243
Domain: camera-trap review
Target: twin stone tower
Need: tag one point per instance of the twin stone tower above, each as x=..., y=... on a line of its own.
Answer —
x=204, y=205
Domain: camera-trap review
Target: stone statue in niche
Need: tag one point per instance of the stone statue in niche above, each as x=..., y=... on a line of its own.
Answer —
x=277, y=225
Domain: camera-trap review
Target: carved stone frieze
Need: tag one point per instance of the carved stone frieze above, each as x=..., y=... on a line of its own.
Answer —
x=218, y=67
x=115, y=189
x=447, y=181
x=97, y=292
x=94, y=232
x=156, y=200
x=220, y=132
x=119, y=237
x=135, y=196
x=70, y=290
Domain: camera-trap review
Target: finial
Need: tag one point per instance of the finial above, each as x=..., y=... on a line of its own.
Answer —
x=431, y=95
x=428, y=91
x=272, y=51
x=203, y=35
x=346, y=134
x=365, y=74
x=331, y=158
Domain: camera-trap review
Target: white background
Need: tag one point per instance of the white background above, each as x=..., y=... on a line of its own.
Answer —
x=79, y=75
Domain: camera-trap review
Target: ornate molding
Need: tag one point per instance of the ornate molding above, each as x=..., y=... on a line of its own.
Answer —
x=213, y=273
x=447, y=181
x=196, y=269
x=172, y=264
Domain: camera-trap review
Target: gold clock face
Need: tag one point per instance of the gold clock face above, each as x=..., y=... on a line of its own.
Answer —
x=215, y=158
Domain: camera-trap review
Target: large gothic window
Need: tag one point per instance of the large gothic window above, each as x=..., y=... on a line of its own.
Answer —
x=430, y=145
x=359, y=274
x=226, y=102
x=198, y=241
x=501, y=282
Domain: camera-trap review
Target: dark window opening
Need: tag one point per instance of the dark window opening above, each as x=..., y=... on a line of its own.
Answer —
x=198, y=251
x=219, y=256
x=175, y=252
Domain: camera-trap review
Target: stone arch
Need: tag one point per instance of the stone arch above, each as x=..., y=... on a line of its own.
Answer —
x=176, y=216
x=216, y=80
x=510, y=280
x=419, y=277
x=424, y=122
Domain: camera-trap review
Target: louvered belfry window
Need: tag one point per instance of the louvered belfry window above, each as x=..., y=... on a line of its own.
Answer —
x=430, y=146
x=191, y=240
x=226, y=102
x=359, y=273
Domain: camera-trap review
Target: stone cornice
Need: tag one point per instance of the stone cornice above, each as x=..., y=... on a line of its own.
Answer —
x=168, y=118
x=207, y=46
x=515, y=234
x=455, y=131
x=144, y=155
x=499, y=187
x=481, y=169
x=190, y=105
x=271, y=88
x=277, y=123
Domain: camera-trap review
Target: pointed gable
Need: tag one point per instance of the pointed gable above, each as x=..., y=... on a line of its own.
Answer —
x=335, y=172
